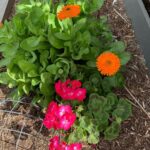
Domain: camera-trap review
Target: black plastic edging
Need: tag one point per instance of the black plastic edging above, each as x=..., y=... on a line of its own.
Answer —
x=141, y=24
x=8, y=9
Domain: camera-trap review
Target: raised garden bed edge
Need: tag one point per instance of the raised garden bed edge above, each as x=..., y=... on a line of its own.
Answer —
x=141, y=24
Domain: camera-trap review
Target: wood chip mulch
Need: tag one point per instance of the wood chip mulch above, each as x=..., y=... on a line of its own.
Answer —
x=135, y=132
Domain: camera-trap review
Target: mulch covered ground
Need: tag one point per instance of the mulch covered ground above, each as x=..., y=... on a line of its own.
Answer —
x=135, y=132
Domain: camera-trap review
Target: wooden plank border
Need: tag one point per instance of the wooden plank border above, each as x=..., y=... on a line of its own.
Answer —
x=141, y=24
x=8, y=9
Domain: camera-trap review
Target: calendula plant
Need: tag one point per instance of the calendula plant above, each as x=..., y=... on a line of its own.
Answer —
x=60, y=51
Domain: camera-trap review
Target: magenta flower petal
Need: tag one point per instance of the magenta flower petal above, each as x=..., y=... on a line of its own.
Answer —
x=62, y=146
x=70, y=90
x=67, y=121
x=63, y=109
x=50, y=121
x=58, y=87
x=52, y=107
x=75, y=146
x=80, y=94
x=59, y=117
x=76, y=84
x=54, y=143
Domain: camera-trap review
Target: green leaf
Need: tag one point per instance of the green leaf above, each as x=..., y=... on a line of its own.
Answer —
x=79, y=135
x=96, y=102
x=80, y=24
x=123, y=110
x=35, y=21
x=44, y=57
x=5, y=62
x=46, y=77
x=11, y=70
x=14, y=96
x=51, y=20
x=118, y=46
x=12, y=84
x=93, y=139
x=52, y=54
x=84, y=122
x=33, y=73
x=20, y=90
x=63, y=66
x=91, y=64
x=4, y=78
x=26, y=88
x=112, y=100
x=73, y=70
x=35, y=81
x=101, y=119
x=6, y=34
x=31, y=43
x=26, y=66
x=72, y=138
x=112, y=131
x=9, y=50
x=55, y=42
x=52, y=69
x=80, y=108
x=91, y=6
x=43, y=102
x=81, y=52
x=125, y=57
x=86, y=37
x=18, y=25
x=66, y=24
x=62, y=36
x=119, y=49
x=33, y=57
x=16, y=74
x=87, y=85
x=46, y=89
x=95, y=79
x=114, y=81
x=23, y=7
x=36, y=99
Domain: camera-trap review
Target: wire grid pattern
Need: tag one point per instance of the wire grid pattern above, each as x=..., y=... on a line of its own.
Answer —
x=18, y=136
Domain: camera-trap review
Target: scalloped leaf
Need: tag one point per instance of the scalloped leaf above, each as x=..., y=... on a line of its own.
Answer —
x=123, y=110
x=112, y=131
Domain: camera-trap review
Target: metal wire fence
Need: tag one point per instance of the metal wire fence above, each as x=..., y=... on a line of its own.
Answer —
x=21, y=127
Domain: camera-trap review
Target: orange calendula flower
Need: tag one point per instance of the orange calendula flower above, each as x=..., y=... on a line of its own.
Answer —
x=108, y=63
x=1, y=24
x=69, y=11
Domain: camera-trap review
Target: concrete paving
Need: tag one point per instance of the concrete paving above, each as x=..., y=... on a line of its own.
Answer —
x=3, y=5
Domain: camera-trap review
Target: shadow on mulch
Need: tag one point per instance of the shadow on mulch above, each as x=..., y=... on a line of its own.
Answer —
x=135, y=132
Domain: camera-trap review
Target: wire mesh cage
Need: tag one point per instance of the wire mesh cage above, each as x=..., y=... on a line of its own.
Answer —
x=21, y=127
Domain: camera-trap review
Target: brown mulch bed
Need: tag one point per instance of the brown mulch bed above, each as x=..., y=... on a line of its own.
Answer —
x=135, y=132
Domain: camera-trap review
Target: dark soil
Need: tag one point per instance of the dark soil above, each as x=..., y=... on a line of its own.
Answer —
x=135, y=132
